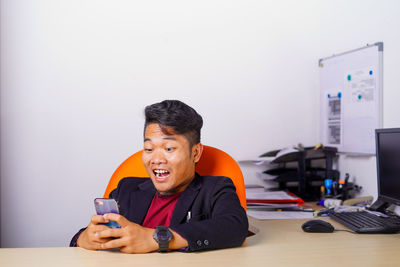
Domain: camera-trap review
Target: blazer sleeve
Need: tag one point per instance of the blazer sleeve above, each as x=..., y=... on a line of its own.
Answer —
x=226, y=225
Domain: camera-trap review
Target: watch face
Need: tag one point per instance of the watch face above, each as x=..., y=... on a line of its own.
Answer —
x=164, y=235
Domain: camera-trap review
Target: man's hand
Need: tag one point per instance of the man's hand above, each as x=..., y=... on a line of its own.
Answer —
x=89, y=238
x=130, y=238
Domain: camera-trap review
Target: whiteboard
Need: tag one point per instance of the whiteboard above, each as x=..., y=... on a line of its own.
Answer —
x=351, y=99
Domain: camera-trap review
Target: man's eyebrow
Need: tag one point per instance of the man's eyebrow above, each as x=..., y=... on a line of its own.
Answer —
x=169, y=138
x=146, y=139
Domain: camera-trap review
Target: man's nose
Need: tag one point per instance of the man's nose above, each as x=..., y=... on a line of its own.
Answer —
x=158, y=157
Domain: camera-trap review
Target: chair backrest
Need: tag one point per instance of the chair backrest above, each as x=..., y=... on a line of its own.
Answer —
x=213, y=162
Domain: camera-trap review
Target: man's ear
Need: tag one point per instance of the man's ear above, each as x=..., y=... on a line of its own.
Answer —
x=197, y=150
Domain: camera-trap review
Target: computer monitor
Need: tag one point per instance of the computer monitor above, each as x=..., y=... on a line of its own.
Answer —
x=388, y=168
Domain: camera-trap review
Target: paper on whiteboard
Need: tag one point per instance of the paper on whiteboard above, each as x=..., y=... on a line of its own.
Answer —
x=360, y=86
x=334, y=115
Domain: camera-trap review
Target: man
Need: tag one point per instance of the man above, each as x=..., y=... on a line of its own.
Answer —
x=176, y=208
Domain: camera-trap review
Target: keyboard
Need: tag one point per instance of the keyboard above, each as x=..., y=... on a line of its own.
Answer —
x=364, y=222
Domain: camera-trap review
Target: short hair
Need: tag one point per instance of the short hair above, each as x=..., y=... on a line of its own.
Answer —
x=175, y=115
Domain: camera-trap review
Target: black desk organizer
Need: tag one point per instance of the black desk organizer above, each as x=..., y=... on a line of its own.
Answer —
x=304, y=180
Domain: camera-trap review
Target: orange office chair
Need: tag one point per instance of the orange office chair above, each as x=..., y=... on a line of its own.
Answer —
x=213, y=162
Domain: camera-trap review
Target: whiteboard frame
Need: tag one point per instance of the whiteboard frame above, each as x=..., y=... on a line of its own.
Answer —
x=342, y=148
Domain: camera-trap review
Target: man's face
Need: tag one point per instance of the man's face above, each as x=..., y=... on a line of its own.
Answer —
x=169, y=160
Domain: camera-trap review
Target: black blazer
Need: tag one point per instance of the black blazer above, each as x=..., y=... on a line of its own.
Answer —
x=208, y=214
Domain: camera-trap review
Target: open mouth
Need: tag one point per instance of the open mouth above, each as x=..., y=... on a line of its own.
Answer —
x=160, y=173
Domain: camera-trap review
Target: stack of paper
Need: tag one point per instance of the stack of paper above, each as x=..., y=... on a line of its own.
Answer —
x=273, y=197
x=275, y=205
x=273, y=215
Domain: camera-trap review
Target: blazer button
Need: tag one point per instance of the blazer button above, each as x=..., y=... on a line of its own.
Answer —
x=199, y=243
x=206, y=242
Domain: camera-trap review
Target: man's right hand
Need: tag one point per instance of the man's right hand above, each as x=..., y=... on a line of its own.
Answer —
x=89, y=238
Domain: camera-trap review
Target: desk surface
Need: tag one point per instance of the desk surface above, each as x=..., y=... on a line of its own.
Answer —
x=279, y=243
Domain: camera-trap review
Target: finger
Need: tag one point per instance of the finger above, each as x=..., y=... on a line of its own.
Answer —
x=111, y=232
x=93, y=232
x=121, y=220
x=96, y=236
x=98, y=239
x=96, y=245
x=98, y=228
x=115, y=243
x=96, y=219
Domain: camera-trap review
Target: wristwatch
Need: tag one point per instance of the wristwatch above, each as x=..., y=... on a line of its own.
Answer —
x=162, y=235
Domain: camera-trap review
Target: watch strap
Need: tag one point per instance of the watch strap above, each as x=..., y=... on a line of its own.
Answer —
x=162, y=244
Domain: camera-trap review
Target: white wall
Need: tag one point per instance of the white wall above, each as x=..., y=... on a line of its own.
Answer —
x=76, y=75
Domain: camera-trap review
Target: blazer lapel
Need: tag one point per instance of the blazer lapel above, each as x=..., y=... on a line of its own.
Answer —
x=141, y=201
x=185, y=201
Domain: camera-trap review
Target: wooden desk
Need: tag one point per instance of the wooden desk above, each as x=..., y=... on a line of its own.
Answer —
x=279, y=243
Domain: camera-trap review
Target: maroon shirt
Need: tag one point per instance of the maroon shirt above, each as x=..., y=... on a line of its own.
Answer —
x=161, y=209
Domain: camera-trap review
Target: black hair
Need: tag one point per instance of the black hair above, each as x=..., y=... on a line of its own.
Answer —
x=175, y=115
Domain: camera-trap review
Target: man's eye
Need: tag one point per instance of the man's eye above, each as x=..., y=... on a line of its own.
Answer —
x=148, y=149
x=169, y=149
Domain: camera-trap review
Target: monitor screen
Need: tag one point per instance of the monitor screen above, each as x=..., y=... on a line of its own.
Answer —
x=388, y=164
